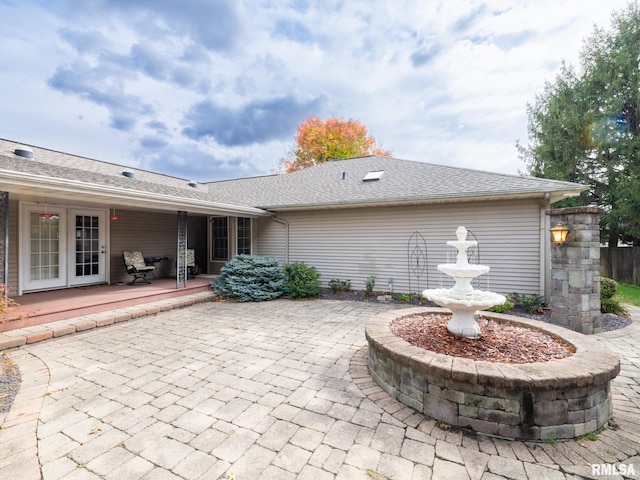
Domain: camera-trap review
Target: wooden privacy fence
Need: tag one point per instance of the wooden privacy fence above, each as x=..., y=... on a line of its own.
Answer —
x=621, y=263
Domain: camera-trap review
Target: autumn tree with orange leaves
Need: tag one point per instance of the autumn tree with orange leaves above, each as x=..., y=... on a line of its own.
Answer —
x=320, y=141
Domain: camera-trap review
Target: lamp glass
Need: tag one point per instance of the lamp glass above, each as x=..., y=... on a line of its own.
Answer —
x=559, y=233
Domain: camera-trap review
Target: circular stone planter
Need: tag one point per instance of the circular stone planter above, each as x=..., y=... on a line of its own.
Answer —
x=558, y=399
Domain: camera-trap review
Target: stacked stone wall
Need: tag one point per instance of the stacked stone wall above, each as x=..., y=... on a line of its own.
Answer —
x=575, y=270
x=559, y=399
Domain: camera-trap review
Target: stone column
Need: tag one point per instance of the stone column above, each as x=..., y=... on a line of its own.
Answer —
x=575, y=270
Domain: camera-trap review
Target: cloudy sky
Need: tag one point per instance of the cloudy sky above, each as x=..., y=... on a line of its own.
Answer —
x=214, y=89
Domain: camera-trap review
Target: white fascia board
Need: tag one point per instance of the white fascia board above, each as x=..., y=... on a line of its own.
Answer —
x=123, y=196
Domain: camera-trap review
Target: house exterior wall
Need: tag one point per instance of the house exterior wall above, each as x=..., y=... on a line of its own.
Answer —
x=355, y=243
x=155, y=234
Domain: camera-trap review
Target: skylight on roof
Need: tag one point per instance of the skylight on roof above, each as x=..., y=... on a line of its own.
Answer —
x=373, y=176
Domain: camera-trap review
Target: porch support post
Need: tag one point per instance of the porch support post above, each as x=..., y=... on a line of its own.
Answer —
x=575, y=270
x=4, y=241
x=181, y=254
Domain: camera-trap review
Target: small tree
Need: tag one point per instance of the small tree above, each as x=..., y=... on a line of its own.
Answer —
x=250, y=278
x=320, y=141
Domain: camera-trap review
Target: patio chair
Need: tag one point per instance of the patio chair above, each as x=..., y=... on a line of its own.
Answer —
x=192, y=266
x=136, y=266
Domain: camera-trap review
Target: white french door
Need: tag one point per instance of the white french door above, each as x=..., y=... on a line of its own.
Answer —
x=62, y=247
x=87, y=247
x=44, y=263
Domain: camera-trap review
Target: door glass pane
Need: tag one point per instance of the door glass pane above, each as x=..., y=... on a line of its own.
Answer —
x=44, y=247
x=87, y=245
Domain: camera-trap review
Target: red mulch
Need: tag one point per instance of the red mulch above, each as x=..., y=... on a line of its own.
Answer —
x=499, y=342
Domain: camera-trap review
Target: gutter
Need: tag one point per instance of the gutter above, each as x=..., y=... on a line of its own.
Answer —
x=545, y=248
x=553, y=196
x=286, y=239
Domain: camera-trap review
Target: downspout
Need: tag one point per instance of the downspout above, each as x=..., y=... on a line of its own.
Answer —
x=286, y=236
x=545, y=248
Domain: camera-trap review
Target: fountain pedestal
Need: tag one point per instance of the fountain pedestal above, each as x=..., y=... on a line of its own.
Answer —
x=462, y=299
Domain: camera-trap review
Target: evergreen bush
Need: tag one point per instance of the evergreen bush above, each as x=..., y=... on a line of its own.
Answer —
x=608, y=287
x=250, y=278
x=301, y=280
x=609, y=304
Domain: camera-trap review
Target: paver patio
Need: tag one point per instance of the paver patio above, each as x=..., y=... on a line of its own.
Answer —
x=273, y=390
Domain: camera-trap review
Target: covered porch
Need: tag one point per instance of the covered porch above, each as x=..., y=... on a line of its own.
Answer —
x=38, y=308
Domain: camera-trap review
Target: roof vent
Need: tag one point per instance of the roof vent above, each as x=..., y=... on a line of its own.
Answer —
x=193, y=183
x=128, y=173
x=373, y=176
x=24, y=152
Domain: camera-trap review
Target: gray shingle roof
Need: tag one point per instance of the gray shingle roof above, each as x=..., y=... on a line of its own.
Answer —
x=54, y=164
x=339, y=183
x=334, y=184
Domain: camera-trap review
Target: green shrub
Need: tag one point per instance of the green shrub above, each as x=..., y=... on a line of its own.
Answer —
x=301, y=280
x=504, y=308
x=609, y=303
x=612, y=305
x=336, y=285
x=608, y=287
x=530, y=303
x=250, y=278
x=369, y=286
x=402, y=297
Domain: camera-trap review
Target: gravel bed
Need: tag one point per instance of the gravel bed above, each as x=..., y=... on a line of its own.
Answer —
x=10, y=379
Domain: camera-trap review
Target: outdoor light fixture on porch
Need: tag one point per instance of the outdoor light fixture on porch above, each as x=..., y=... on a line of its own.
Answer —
x=559, y=234
x=46, y=213
x=113, y=215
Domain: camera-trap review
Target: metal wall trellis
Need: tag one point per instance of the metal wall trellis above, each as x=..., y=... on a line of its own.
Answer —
x=417, y=260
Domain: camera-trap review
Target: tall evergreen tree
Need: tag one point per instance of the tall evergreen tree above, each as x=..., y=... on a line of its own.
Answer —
x=584, y=127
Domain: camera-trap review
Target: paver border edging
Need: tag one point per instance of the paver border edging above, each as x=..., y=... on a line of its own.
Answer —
x=38, y=333
x=564, y=398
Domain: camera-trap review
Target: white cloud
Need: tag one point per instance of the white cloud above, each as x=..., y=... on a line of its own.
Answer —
x=433, y=81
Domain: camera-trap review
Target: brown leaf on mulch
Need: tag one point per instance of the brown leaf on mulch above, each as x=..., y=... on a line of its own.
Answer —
x=499, y=342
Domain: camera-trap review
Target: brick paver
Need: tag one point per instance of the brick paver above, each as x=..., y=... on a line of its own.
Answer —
x=273, y=390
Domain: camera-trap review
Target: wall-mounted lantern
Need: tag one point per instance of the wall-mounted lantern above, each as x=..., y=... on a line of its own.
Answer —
x=559, y=234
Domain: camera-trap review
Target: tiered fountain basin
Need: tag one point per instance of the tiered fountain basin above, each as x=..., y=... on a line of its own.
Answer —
x=558, y=399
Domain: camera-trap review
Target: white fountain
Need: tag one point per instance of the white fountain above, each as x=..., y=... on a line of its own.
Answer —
x=462, y=299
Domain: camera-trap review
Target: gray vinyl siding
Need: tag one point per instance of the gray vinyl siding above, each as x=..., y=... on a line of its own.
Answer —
x=353, y=244
x=271, y=239
x=154, y=234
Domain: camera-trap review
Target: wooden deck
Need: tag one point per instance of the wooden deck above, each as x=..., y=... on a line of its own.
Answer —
x=54, y=305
